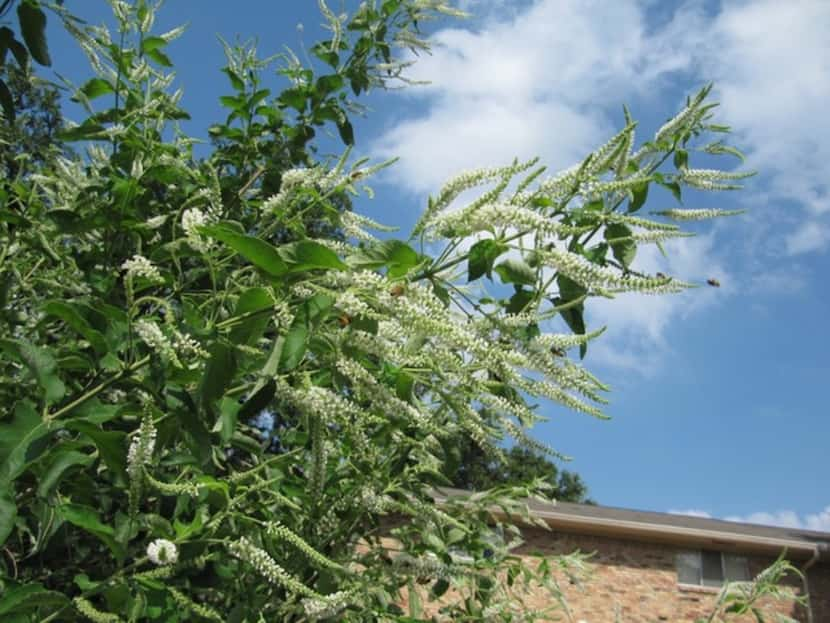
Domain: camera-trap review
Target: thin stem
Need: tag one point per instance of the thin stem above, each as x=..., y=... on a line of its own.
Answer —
x=98, y=389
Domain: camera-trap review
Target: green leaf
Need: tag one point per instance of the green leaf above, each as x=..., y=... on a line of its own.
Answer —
x=258, y=401
x=396, y=255
x=520, y=299
x=346, y=132
x=6, y=38
x=308, y=317
x=219, y=372
x=569, y=289
x=16, y=439
x=86, y=518
x=640, y=193
x=42, y=365
x=88, y=130
x=404, y=385
x=8, y=514
x=28, y=598
x=261, y=254
x=257, y=97
x=251, y=301
x=148, y=44
x=306, y=255
x=112, y=445
x=33, y=29
x=294, y=98
x=61, y=460
x=440, y=587
x=231, y=101
x=624, y=250
x=96, y=87
x=324, y=53
x=674, y=188
x=681, y=158
x=596, y=254
x=72, y=317
x=329, y=84
x=516, y=271
x=236, y=81
x=7, y=102
x=159, y=57
x=483, y=255
x=226, y=422
x=21, y=54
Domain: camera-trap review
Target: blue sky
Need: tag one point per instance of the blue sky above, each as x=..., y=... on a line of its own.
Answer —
x=719, y=395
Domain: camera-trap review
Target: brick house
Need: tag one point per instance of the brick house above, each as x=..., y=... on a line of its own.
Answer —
x=651, y=567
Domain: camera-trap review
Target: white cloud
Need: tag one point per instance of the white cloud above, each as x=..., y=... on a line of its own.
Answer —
x=810, y=236
x=691, y=512
x=788, y=519
x=547, y=78
x=771, y=64
x=819, y=522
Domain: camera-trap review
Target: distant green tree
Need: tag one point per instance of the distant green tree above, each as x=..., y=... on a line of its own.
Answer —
x=473, y=469
x=31, y=139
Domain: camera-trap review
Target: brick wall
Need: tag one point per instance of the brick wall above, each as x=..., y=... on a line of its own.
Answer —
x=639, y=581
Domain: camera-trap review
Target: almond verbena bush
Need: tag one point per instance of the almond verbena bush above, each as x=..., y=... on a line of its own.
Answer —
x=156, y=306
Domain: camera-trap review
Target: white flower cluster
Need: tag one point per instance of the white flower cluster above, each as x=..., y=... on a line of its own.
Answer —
x=156, y=221
x=292, y=181
x=654, y=235
x=355, y=225
x=140, y=453
x=595, y=189
x=327, y=404
x=698, y=215
x=281, y=532
x=268, y=568
x=93, y=614
x=561, y=184
x=188, y=345
x=465, y=181
x=201, y=610
x=553, y=392
x=349, y=303
x=162, y=552
x=192, y=220
x=428, y=565
x=548, y=341
x=140, y=266
x=473, y=219
x=680, y=120
x=713, y=179
x=282, y=314
x=636, y=221
x=152, y=335
x=590, y=275
x=376, y=392
x=325, y=607
x=373, y=502
x=615, y=150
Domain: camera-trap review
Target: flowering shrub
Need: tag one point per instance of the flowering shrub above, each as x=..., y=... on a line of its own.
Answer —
x=155, y=306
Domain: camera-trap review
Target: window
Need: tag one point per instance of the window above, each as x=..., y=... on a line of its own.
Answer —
x=707, y=568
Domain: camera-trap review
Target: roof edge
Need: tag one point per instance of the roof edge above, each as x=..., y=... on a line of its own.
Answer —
x=665, y=533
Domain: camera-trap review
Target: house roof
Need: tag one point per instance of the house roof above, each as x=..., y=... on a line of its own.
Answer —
x=682, y=530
